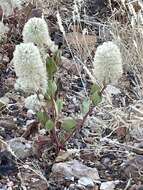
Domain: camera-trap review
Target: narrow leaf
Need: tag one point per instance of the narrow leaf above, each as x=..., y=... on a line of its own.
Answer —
x=96, y=98
x=95, y=88
x=51, y=67
x=49, y=125
x=68, y=124
x=85, y=106
x=59, y=104
x=95, y=95
x=42, y=117
x=52, y=88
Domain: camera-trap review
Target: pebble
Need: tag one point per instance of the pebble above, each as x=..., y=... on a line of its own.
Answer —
x=86, y=181
x=112, y=90
x=75, y=169
x=21, y=147
x=109, y=185
x=30, y=113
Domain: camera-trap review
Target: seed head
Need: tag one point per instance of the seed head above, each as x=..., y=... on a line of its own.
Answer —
x=29, y=68
x=107, y=63
x=36, y=31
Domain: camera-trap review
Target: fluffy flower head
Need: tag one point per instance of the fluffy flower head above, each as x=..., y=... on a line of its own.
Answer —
x=107, y=63
x=8, y=6
x=33, y=103
x=29, y=68
x=36, y=31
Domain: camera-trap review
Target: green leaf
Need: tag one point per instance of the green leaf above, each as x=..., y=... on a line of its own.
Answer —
x=51, y=67
x=59, y=104
x=96, y=98
x=68, y=124
x=49, y=125
x=95, y=88
x=52, y=88
x=95, y=94
x=85, y=106
x=42, y=117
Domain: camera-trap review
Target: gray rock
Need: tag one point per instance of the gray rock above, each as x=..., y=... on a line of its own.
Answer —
x=112, y=90
x=109, y=185
x=76, y=169
x=20, y=147
x=86, y=181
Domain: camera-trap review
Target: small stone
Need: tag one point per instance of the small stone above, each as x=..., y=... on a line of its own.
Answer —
x=112, y=90
x=86, y=181
x=30, y=113
x=20, y=147
x=75, y=169
x=69, y=179
x=109, y=185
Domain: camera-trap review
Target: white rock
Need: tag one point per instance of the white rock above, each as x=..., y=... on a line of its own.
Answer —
x=30, y=113
x=109, y=185
x=86, y=181
x=112, y=90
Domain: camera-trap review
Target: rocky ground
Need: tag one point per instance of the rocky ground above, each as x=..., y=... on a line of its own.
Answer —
x=107, y=153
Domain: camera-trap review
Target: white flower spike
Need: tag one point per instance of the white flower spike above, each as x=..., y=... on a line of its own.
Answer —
x=107, y=63
x=36, y=31
x=29, y=68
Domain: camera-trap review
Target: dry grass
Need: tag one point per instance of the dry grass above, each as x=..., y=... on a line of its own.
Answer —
x=127, y=31
x=129, y=36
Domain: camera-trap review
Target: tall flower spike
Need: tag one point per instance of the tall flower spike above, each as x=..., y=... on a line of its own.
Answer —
x=107, y=63
x=29, y=68
x=36, y=31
